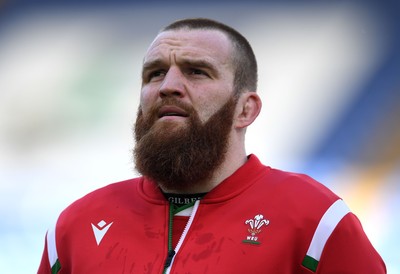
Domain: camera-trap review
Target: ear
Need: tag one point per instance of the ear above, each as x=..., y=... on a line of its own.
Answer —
x=247, y=109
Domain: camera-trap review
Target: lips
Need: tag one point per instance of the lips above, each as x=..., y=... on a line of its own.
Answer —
x=165, y=111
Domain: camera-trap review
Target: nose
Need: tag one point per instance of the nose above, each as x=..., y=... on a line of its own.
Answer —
x=172, y=84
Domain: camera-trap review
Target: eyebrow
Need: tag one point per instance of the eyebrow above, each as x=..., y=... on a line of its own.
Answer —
x=196, y=63
x=200, y=63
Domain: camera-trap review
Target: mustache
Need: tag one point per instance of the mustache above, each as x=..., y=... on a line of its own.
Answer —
x=144, y=122
x=154, y=111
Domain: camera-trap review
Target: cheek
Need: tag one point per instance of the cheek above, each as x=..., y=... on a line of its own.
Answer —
x=209, y=106
x=147, y=99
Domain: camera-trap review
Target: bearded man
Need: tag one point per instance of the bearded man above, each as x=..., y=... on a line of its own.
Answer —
x=202, y=205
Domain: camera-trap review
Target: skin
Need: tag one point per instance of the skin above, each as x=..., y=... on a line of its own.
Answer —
x=195, y=67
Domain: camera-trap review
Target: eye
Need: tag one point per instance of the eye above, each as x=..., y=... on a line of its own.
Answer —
x=156, y=75
x=197, y=72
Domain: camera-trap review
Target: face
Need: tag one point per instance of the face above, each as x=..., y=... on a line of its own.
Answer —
x=192, y=66
x=187, y=108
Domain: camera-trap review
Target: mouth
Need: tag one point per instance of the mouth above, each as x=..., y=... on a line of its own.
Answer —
x=171, y=111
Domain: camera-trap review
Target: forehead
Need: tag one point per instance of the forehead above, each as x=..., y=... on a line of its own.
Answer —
x=204, y=44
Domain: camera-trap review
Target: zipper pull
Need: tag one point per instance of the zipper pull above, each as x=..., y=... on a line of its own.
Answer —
x=168, y=261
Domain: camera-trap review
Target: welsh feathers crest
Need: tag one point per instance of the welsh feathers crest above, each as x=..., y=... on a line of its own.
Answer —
x=255, y=228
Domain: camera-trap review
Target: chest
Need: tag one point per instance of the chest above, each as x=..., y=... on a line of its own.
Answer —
x=241, y=240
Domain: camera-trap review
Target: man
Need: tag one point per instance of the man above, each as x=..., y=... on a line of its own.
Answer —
x=203, y=205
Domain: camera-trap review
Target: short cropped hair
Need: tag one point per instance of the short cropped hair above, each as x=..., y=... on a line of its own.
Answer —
x=244, y=60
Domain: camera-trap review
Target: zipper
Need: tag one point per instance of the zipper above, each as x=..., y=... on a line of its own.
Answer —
x=172, y=252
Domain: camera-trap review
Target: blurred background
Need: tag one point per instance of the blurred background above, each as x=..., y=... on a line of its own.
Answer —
x=70, y=81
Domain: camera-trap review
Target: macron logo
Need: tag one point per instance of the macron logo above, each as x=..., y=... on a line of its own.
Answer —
x=100, y=230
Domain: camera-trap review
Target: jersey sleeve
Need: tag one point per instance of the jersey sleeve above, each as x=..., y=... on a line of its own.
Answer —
x=44, y=267
x=348, y=250
x=49, y=263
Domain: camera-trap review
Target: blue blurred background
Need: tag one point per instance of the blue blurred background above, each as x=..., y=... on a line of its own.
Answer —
x=70, y=81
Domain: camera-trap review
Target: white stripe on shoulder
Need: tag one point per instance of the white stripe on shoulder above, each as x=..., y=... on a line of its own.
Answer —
x=51, y=246
x=326, y=225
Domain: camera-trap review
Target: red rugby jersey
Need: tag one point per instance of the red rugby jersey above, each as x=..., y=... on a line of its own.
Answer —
x=259, y=220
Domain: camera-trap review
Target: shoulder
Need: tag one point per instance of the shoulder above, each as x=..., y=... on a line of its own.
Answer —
x=289, y=184
x=295, y=193
x=118, y=189
x=298, y=188
x=105, y=198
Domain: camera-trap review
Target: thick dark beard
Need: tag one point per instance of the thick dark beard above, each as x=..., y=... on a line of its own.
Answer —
x=182, y=157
